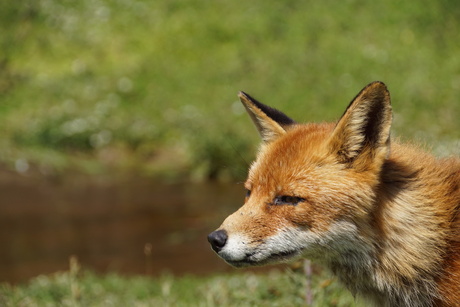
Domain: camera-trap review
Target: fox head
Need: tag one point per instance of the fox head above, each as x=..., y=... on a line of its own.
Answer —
x=311, y=190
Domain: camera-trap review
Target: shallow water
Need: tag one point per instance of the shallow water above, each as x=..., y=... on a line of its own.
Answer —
x=130, y=226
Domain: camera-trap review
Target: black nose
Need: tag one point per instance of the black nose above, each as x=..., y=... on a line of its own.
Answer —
x=217, y=239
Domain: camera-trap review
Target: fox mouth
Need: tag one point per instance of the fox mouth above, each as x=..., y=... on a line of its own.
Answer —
x=252, y=259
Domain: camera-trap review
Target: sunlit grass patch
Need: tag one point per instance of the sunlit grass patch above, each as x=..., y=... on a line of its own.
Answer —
x=272, y=289
x=152, y=76
x=77, y=287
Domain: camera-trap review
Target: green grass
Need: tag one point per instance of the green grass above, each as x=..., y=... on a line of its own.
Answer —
x=151, y=86
x=84, y=288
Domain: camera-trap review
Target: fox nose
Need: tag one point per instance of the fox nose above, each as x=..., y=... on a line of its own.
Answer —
x=217, y=239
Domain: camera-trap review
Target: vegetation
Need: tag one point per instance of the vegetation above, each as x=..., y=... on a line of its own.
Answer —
x=150, y=86
x=84, y=288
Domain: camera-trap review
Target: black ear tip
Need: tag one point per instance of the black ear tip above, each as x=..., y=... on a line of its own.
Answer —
x=376, y=92
x=244, y=96
x=274, y=114
x=378, y=85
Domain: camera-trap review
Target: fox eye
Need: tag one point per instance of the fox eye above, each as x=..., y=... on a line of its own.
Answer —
x=248, y=193
x=287, y=200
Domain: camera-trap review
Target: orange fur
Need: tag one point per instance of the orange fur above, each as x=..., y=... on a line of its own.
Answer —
x=384, y=217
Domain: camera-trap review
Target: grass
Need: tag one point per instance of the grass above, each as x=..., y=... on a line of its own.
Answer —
x=150, y=86
x=78, y=287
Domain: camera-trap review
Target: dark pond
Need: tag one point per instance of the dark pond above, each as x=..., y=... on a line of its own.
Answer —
x=135, y=226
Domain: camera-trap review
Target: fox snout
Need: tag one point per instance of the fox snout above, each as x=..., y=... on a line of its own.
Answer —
x=217, y=239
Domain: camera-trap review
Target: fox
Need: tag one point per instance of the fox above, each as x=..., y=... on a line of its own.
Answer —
x=381, y=214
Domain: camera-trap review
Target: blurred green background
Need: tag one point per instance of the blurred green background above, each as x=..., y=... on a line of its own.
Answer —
x=150, y=86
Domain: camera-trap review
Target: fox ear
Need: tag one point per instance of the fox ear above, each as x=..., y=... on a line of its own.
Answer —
x=270, y=122
x=363, y=131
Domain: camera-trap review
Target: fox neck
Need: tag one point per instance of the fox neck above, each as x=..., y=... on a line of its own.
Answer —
x=404, y=249
x=369, y=277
